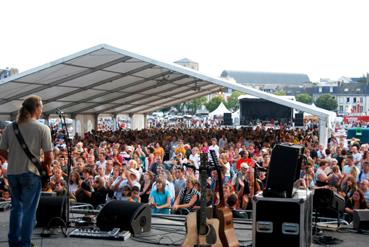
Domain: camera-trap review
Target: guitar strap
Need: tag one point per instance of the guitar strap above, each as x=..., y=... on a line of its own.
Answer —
x=24, y=146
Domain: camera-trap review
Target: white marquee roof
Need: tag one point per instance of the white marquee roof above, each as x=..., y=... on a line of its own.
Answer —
x=221, y=109
x=105, y=79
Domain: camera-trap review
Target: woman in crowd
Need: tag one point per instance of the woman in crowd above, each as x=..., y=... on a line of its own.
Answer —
x=159, y=199
x=186, y=198
x=74, y=183
x=146, y=185
x=321, y=178
x=223, y=161
x=348, y=186
x=356, y=201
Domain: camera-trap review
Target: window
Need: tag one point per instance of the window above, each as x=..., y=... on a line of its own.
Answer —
x=361, y=108
x=354, y=100
x=320, y=89
x=341, y=108
x=346, y=90
x=348, y=100
x=331, y=89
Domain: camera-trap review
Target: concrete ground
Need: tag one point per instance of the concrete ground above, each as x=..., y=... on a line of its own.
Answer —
x=168, y=232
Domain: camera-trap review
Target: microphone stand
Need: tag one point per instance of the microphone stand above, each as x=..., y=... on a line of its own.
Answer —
x=69, y=164
x=257, y=168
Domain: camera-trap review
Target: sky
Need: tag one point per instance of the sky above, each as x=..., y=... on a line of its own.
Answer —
x=320, y=38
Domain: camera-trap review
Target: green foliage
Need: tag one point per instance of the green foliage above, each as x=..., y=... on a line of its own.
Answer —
x=166, y=109
x=326, y=101
x=214, y=103
x=195, y=104
x=280, y=92
x=179, y=107
x=232, y=102
x=304, y=98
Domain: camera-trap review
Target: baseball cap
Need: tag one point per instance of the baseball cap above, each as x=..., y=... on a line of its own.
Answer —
x=244, y=165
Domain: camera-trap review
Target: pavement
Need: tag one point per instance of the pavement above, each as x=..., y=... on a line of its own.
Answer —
x=170, y=231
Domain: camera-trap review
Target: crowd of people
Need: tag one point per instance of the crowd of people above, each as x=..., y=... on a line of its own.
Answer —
x=160, y=166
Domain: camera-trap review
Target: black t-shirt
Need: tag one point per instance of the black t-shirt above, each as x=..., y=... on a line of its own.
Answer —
x=99, y=196
x=339, y=161
x=313, y=153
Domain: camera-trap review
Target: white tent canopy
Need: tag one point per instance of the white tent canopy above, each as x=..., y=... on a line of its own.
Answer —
x=105, y=79
x=221, y=109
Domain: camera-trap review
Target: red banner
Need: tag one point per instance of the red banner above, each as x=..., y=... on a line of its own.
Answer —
x=353, y=119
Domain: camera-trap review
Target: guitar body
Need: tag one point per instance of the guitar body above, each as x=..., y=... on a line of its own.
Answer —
x=193, y=238
x=226, y=230
x=227, y=233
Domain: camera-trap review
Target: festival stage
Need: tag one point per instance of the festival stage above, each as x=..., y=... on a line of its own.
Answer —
x=167, y=231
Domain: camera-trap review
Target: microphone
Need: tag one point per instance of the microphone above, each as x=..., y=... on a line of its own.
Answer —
x=58, y=111
x=259, y=167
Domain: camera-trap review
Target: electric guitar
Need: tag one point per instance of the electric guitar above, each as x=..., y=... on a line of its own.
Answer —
x=227, y=233
x=201, y=231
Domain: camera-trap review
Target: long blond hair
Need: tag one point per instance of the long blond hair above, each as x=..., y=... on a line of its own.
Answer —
x=28, y=107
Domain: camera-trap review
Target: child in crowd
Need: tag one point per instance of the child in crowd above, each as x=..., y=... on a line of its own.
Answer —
x=135, y=195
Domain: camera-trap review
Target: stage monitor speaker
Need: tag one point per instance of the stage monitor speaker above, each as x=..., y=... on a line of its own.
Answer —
x=227, y=119
x=129, y=216
x=328, y=203
x=284, y=170
x=51, y=211
x=361, y=219
x=299, y=119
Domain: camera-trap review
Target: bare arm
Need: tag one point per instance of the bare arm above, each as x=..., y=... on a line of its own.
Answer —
x=3, y=155
x=48, y=158
x=189, y=204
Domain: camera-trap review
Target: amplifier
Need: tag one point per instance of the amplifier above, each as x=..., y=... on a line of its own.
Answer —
x=361, y=219
x=278, y=221
x=5, y=205
x=114, y=234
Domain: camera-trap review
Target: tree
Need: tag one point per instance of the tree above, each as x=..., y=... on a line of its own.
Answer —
x=214, y=103
x=232, y=102
x=280, y=92
x=304, y=98
x=195, y=104
x=327, y=101
x=179, y=107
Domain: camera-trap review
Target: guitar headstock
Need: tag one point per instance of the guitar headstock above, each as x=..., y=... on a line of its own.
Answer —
x=220, y=180
x=214, y=158
x=203, y=161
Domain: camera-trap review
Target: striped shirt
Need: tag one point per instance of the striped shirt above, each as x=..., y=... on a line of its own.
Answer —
x=186, y=196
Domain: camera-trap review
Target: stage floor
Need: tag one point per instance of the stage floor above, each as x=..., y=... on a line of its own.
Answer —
x=168, y=231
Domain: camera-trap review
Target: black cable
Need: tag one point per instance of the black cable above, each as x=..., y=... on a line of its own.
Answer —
x=326, y=240
x=155, y=243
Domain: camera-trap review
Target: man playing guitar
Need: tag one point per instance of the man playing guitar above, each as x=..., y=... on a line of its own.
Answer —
x=24, y=176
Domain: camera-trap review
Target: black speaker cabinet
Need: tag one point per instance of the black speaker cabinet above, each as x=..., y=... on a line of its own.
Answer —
x=282, y=221
x=227, y=119
x=284, y=170
x=299, y=119
x=129, y=216
x=51, y=211
x=361, y=219
x=328, y=203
